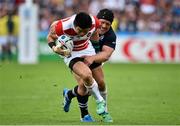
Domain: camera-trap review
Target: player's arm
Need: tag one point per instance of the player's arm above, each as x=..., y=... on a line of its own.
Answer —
x=100, y=57
x=104, y=55
x=106, y=50
x=52, y=37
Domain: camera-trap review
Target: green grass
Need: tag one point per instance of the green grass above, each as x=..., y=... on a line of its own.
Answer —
x=138, y=94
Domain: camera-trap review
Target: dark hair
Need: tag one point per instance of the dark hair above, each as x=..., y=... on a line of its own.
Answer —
x=106, y=14
x=83, y=20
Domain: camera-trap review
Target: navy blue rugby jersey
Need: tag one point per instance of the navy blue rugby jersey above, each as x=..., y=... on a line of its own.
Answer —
x=108, y=39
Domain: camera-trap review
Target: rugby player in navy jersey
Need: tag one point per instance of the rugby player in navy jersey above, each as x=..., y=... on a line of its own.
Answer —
x=104, y=49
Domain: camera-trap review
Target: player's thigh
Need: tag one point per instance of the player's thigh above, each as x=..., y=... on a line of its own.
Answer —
x=82, y=70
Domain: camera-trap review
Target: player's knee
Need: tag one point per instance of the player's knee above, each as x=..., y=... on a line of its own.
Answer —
x=82, y=91
x=87, y=76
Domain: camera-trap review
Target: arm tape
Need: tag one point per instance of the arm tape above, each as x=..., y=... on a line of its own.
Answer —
x=51, y=44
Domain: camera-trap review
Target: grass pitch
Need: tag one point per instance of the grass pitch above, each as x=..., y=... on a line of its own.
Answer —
x=138, y=94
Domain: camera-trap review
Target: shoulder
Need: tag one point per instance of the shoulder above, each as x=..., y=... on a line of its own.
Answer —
x=64, y=24
x=95, y=21
x=110, y=35
x=58, y=27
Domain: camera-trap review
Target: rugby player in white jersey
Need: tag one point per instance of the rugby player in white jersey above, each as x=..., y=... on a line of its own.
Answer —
x=104, y=49
x=79, y=27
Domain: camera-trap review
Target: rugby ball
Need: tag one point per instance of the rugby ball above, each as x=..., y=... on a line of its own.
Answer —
x=65, y=42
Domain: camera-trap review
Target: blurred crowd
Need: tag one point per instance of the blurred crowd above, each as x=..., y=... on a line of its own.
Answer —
x=131, y=16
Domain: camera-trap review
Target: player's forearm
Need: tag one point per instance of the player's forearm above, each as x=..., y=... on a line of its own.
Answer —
x=51, y=42
x=104, y=55
x=52, y=36
x=101, y=57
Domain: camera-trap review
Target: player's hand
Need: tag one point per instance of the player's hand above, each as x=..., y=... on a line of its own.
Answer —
x=57, y=49
x=63, y=52
x=66, y=53
x=88, y=60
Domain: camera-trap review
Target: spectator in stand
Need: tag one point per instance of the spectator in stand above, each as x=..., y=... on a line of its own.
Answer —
x=176, y=15
x=130, y=12
x=130, y=15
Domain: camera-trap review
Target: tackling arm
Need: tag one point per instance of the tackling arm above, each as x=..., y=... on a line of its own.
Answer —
x=104, y=55
x=100, y=57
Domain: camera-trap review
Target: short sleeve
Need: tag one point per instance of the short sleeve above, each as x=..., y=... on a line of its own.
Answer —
x=58, y=28
x=111, y=42
x=97, y=22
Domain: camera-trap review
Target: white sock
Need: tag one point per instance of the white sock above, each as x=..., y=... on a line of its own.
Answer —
x=95, y=91
x=104, y=95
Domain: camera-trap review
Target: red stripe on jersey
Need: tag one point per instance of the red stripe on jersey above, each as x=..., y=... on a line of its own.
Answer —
x=79, y=42
x=81, y=47
x=70, y=32
x=97, y=22
x=78, y=46
x=58, y=28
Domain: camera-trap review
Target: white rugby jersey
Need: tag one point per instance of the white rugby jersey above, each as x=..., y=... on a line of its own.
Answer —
x=66, y=26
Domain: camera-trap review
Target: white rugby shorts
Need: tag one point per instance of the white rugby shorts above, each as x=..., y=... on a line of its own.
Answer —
x=89, y=51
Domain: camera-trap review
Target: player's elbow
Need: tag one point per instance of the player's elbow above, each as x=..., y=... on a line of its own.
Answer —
x=48, y=38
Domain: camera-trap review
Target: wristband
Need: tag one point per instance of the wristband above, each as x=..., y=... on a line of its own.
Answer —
x=51, y=44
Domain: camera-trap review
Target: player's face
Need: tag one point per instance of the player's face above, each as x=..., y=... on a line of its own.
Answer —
x=105, y=26
x=81, y=32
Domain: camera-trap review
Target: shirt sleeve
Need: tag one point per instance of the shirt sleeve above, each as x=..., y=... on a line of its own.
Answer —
x=111, y=42
x=59, y=28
